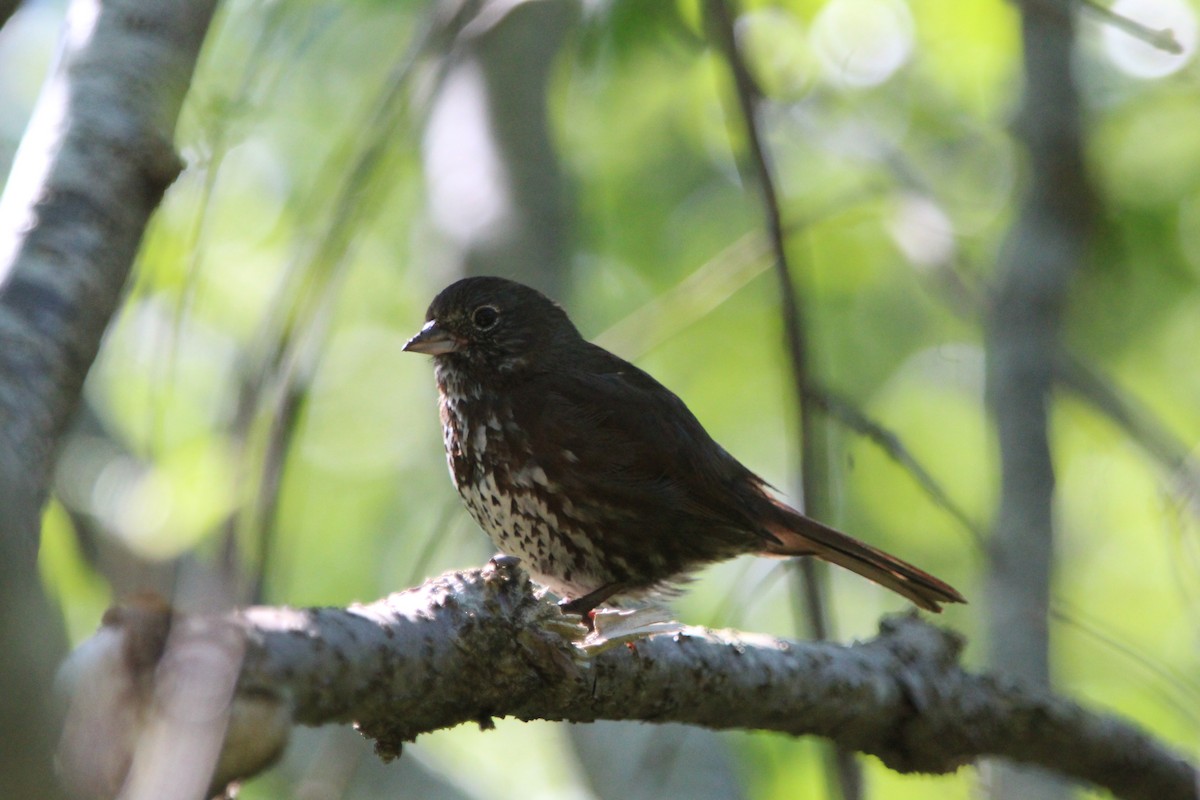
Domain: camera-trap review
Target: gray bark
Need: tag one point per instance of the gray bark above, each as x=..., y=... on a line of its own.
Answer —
x=91, y=168
x=1040, y=256
x=472, y=646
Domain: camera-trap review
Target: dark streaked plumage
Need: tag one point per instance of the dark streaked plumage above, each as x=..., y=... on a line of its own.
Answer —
x=593, y=473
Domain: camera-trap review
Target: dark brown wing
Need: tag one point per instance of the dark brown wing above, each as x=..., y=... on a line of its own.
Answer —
x=627, y=453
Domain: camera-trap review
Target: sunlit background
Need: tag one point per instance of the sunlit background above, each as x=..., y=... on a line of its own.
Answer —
x=252, y=405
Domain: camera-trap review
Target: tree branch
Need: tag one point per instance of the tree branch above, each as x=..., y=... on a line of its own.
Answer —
x=1040, y=256
x=471, y=646
x=1161, y=38
x=92, y=166
x=814, y=472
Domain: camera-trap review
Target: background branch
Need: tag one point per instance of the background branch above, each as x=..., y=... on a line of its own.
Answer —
x=1040, y=256
x=1164, y=39
x=813, y=443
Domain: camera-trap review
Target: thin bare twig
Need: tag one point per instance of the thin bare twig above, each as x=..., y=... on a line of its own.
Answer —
x=722, y=275
x=792, y=309
x=890, y=443
x=812, y=460
x=713, y=282
x=1160, y=38
x=1186, y=699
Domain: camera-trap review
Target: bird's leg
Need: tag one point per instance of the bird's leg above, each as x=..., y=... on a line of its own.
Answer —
x=585, y=606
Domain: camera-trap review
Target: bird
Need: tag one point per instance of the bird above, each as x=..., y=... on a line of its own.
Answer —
x=595, y=475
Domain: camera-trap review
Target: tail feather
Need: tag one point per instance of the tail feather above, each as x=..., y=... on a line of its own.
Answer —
x=798, y=535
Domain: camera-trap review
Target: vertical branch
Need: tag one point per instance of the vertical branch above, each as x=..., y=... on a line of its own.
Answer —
x=91, y=168
x=814, y=478
x=494, y=91
x=792, y=309
x=1023, y=331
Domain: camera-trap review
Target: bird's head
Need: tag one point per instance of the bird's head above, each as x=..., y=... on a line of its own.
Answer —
x=492, y=324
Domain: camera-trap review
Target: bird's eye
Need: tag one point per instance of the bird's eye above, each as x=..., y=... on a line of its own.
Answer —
x=485, y=317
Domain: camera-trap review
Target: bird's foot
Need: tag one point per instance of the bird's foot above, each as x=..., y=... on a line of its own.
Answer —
x=585, y=606
x=614, y=626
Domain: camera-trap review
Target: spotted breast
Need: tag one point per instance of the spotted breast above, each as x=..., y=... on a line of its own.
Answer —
x=507, y=491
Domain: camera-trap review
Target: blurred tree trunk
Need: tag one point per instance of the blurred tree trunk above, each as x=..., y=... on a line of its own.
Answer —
x=1040, y=256
x=496, y=187
x=92, y=166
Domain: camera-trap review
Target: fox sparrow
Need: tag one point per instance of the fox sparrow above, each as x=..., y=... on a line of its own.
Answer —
x=593, y=473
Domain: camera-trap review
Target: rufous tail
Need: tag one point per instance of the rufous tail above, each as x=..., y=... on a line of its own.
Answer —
x=800, y=536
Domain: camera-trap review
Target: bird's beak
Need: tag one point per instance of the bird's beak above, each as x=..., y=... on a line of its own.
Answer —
x=433, y=341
